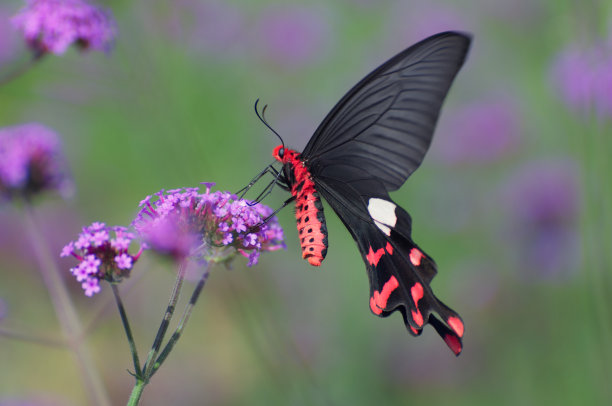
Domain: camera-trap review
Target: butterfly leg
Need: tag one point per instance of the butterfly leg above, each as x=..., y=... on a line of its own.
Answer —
x=267, y=169
x=285, y=203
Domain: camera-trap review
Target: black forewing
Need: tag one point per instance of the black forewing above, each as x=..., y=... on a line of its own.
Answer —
x=391, y=272
x=385, y=123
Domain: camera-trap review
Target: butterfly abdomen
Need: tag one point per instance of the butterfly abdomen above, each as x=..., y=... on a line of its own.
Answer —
x=311, y=226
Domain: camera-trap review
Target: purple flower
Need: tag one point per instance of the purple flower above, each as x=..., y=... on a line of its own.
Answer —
x=253, y=258
x=31, y=162
x=91, y=264
x=186, y=223
x=101, y=257
x=479, y=133
x=53, y=25
x=80, y=272
x=100, y=237
x=227, y=239
x=582, y=75
x=293, y=35
x=239, y=225
x=542, y=204
x=91, y=286
x=67, y=250
x=124, y=261
x=250, y=239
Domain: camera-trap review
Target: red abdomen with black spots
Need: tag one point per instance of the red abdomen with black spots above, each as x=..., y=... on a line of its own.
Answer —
x=311, y=226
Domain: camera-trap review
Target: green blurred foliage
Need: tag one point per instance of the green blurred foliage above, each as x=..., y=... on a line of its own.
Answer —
x=171, y=107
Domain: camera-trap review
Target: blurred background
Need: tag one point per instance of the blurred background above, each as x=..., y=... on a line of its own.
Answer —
x=512, y=201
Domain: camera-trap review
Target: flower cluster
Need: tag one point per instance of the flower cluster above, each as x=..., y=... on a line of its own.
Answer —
x=53, y=25
x=184, y=222
x=31, y=162
x=583, y=76
x=101, y=257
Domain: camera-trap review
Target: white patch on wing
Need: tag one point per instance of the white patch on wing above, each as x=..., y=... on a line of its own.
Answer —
x=383, y=214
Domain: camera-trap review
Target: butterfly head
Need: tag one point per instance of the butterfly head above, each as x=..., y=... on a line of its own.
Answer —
x=279, y=153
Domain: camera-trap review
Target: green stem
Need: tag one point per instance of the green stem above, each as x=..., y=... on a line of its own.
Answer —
x=128, y=330
x=161, y=332
x=181, y=325
x=65, y=310
x=136, y=393
x=20, y=70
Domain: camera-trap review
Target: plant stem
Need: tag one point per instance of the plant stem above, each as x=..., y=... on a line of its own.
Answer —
x=128, y=330
x=161, y=332
x=33, y=338
x=65, y=311
x=186, y=314
x=20, y=70
x=136, y=393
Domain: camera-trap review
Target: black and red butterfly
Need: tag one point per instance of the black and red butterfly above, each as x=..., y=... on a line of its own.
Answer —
x=367, y=146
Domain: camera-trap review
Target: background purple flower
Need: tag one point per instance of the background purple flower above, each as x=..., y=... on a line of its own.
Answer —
x=582, y=75
x=210, y=26
x=53, y=25
x=292, y=35
x=479, y=132
x=31, y=161
x=542, y=203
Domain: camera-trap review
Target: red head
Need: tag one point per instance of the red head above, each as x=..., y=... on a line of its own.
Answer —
x=279, y=153
x=284, y=155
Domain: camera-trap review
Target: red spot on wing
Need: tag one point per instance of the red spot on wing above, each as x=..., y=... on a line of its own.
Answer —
x=415, y=257
x=389, y=248
x=417, y=293
x=374, y=257
x=414, y=330
x=373, y=306
x=417, y=317
x=378, y=301
x=456, y=324
x=453, y=343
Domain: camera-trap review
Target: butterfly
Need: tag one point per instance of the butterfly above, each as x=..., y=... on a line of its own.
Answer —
x=368, y=145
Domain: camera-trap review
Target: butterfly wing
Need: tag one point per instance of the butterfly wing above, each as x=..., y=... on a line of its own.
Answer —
x=384, y=124
x=398, y=270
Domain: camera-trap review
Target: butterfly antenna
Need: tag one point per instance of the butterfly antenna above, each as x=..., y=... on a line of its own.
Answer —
x=262, y=118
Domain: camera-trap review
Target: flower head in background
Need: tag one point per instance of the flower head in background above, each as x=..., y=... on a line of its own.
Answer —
x=208, y=226
x=101, y=256
x=51, y=26
x=542, y=203
x=31, y=162
x=212, y=26
x=292, y=35
x=582, y=75
x=480, y=132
